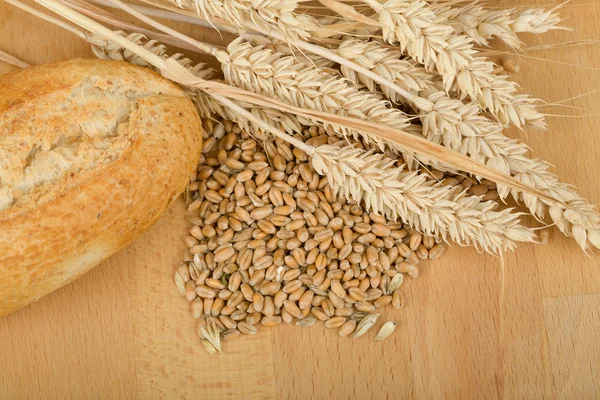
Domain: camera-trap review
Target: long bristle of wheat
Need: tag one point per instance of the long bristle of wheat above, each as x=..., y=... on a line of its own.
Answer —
x=419, y=201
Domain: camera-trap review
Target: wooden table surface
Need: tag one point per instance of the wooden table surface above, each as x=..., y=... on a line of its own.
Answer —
x=472, y=329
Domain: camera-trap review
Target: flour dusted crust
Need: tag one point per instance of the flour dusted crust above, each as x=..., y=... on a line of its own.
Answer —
x=91, y=154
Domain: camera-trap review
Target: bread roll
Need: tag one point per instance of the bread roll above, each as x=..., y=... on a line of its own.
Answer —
x=91, y=154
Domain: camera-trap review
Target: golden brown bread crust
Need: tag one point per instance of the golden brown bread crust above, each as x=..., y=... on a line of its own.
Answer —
x=114, y=184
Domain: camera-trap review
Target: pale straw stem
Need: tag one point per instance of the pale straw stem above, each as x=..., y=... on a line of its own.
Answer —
x=13, y=60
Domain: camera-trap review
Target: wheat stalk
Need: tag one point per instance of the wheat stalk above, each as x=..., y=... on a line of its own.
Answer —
x=481, y=25
x=424, y=204
x=10, y=59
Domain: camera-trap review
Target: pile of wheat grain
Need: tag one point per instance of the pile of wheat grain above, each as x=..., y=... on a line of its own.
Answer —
x=270, y=242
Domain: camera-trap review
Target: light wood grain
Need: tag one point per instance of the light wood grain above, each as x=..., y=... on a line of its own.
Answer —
x=573, y=326
x=473, y=328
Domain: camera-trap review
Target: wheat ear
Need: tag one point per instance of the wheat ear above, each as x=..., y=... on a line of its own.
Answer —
x=460, y=127
x=263, y=71
x=424, y=204
x=429, y=39
x=482, y=25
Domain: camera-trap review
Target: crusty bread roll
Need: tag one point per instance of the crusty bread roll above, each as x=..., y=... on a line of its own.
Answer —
x=91, y=154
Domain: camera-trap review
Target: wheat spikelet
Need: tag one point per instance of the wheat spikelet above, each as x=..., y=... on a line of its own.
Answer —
x=481, y=25
x=424, y=204
x=388, y=63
